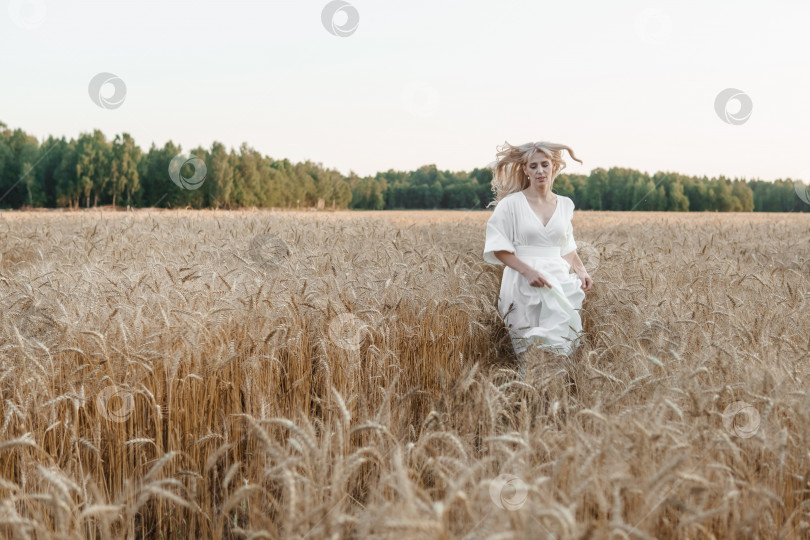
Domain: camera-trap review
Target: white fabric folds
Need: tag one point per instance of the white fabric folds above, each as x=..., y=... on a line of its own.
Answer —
x=537, y=316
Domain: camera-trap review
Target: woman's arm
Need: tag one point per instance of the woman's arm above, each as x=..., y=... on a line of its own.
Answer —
x=576, y=263
x=534, y=277
x=510, y=259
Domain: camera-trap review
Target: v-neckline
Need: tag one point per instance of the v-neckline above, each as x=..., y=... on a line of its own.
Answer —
x=525, y=198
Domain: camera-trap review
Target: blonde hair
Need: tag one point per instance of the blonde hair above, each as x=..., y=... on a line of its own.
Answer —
x=507, y=171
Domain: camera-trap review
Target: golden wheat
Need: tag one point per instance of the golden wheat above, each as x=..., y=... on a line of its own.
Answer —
x=255, y=374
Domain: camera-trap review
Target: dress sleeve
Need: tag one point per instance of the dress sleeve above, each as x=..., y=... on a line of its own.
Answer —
x=500, y=233
x=570, y=244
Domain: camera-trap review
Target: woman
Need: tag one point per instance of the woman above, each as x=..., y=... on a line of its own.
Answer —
x=530, y=232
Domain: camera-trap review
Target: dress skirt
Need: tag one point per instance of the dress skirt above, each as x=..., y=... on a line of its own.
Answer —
x=539, y=316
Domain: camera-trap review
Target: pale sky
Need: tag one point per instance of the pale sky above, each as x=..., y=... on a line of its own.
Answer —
x=624, y=83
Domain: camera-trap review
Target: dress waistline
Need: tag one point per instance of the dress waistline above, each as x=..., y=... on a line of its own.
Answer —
x=537, y=251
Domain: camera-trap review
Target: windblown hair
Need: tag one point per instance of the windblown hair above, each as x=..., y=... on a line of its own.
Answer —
x=507, y=170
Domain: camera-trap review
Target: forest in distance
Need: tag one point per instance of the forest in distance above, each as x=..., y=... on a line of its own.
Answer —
x=94, y=170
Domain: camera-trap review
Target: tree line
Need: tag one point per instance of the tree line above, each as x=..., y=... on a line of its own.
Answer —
x=93, y=170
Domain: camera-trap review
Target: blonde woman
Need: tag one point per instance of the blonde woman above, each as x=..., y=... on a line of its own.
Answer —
x=530, y=232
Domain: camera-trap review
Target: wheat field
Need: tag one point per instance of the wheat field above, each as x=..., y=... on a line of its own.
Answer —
x=257, y=374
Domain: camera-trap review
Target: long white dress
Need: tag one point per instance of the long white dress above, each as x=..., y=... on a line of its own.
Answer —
x=537, y=316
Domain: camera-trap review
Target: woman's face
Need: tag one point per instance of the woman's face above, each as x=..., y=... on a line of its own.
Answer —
x=539, y=170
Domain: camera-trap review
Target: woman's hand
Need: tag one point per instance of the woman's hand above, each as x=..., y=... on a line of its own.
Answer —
x=587, y=282
x=535, y=278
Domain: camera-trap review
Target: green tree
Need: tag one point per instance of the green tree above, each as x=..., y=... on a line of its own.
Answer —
x=724, y=198
x=18, y=152
x=92, y=165
x=743, y=195
x=677, y=201
x=124, y=178
x=157, y=188
x=594, y=192
x=219, y=182
x=48, y=169
x=68, y=190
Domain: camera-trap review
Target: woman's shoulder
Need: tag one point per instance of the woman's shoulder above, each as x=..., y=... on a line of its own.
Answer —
x=507, y=199
x=568, y=205
x=511, y=196
x=566, y=200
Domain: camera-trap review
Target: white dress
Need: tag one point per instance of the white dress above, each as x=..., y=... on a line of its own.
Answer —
x=548, y=318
